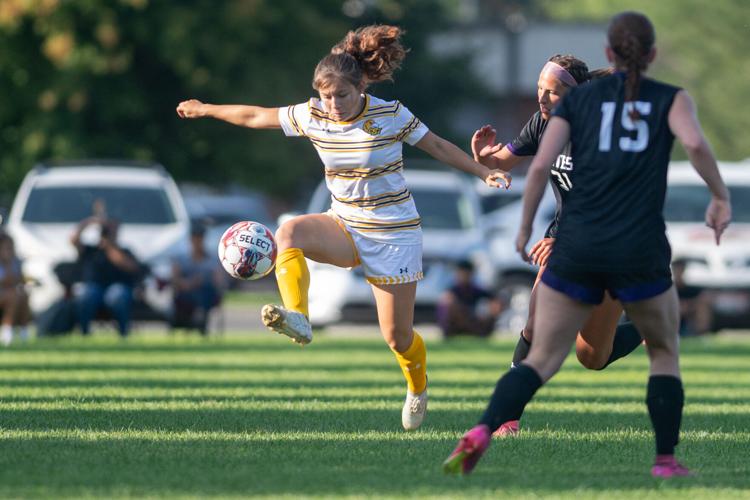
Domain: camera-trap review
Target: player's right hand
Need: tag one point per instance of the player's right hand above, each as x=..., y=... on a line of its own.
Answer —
x=541, y=251
x=190, y=109
x=483, y=142
x=718, y=216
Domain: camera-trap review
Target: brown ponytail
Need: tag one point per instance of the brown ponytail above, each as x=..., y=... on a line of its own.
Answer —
x=367, y=55
x=631, y=38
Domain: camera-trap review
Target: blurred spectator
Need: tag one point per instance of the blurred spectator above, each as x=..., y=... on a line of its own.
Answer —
x=197, y=282
x=13, y=298
x=466, y=308
x=109, y=272
x=696, y=315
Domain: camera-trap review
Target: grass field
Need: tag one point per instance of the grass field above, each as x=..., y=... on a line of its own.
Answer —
x=161, y=416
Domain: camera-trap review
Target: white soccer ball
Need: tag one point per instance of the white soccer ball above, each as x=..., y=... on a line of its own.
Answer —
x=247, y=250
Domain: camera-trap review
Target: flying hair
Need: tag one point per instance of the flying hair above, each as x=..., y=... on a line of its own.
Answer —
x=366, y=55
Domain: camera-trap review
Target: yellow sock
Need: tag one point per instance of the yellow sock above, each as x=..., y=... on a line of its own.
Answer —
x=293, y=279
x=414, y=364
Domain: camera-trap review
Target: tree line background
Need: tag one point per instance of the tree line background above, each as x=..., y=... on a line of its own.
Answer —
x=96, y=79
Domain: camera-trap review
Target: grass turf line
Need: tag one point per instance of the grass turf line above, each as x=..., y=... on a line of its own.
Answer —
x=237, y=417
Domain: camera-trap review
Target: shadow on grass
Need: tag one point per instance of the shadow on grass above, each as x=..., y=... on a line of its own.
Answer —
x=728, y=348
x=318, y=418
x=362, y=467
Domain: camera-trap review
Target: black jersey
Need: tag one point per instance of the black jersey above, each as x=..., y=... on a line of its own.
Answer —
x=527, y=144
x=613, y=219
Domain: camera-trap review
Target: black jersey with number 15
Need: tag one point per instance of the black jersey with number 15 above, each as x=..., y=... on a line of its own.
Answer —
x=613, y=218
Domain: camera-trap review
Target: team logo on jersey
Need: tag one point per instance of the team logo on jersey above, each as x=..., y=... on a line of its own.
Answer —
x=370, y=127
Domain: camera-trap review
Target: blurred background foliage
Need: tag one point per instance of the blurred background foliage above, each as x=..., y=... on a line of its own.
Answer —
x=90, y=78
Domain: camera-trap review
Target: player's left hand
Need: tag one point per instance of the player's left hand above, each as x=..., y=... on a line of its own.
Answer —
x=498, y=178
x=718, y=216
x=522, y=239
x=541, y=251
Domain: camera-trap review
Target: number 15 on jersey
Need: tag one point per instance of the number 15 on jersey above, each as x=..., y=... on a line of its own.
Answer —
x=640, y=127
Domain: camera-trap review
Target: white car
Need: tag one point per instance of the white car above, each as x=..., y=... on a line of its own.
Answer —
x=54, y=198
x=724, y=269
x=449, y=207
x=514, y=277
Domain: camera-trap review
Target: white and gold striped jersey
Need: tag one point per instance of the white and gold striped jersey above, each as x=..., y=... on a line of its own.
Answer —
x=364, y=164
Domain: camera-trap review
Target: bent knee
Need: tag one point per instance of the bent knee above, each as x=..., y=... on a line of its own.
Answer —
x=591, y=359
x=289, y=235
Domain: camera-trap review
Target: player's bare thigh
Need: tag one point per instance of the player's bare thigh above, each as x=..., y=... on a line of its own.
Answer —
x=658, y=320
x=319, y=237
x=594, y=341
x=556, y=326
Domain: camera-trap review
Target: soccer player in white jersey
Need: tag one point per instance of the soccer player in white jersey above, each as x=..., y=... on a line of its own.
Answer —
x=373, y=221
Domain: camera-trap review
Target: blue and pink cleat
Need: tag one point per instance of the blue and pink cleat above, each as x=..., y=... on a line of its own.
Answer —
x=665, y=466
x=470, y=449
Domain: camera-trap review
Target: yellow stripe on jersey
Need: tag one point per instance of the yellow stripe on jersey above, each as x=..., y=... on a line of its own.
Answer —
x=383, y=111
x=408, y=129
x=352, y=146
x=365, y=173
x=375, y=226
x=293, y=121
x=377, y=201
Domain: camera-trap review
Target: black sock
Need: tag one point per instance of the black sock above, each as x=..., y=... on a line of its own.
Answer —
x=665, y=399
x=512, y=392
x=626, y=340
x=522, y=350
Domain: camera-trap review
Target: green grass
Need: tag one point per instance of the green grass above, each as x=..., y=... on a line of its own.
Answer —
x=249, y=299
x=242, y=416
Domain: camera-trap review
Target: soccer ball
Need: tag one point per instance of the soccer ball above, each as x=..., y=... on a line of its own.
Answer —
x=247, y=250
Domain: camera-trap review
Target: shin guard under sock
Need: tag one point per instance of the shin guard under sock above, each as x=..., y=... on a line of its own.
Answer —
x=293, y=279
x=665, y=398
x=512, y=392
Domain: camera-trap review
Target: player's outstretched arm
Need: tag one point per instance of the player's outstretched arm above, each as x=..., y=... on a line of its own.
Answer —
x=683, y=122
x=489, y=154
x=555, y=138
x=236, y=114
x=449, y=153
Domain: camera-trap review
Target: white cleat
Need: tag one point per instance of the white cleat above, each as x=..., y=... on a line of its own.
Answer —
x=415, y=408
x=293, y=324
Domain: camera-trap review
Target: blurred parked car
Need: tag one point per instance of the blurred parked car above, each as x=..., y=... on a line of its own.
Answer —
x=723, y=270
x=449, y=207
x=54, y=198
x=514, y=278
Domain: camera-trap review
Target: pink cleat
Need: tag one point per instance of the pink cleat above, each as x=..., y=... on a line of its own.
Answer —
x=468, y=452
x=666, y=466
x=509, y=428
